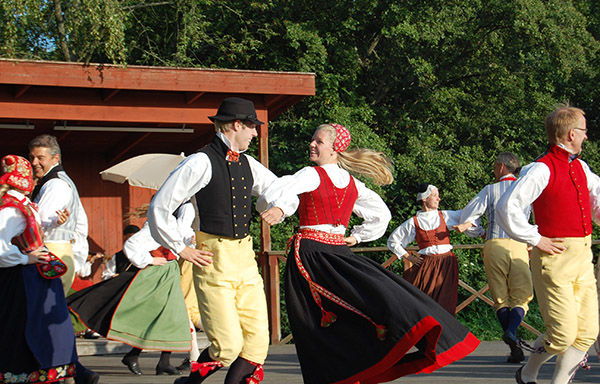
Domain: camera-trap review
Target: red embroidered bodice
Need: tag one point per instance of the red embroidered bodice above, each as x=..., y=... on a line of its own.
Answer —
x=563, y=209
x=437, y=236
x=32, y=237
x=327, y=204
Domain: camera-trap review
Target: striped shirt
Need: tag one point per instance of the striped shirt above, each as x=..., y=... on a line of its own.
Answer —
x=485, y=202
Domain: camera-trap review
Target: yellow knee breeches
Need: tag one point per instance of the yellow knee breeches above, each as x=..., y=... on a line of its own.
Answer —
x=64, y=251
x=231, y=300
x=566, y=291
x=506, y=263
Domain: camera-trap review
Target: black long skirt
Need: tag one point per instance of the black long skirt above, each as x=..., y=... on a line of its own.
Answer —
x=420, y=335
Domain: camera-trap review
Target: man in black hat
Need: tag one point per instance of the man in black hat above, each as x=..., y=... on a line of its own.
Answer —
x=229, y=288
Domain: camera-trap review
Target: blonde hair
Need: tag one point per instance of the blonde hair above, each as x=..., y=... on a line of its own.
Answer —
x=561, y=121
x=363, y=161
x=223, y=126
x=3, y=189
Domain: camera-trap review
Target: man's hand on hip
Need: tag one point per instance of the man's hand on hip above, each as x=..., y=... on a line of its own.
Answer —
x=196, y=256
x=552, y=246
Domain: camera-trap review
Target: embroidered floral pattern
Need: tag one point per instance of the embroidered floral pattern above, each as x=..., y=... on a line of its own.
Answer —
x=342, y=138
x=327, y=318
x=40, y=376
x=17, y=172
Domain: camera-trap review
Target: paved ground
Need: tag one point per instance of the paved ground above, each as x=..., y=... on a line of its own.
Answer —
x=486, y=365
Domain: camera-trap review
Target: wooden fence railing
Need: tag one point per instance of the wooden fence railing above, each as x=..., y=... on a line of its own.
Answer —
x=270, y=266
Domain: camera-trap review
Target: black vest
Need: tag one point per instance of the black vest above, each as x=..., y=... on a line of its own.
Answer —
x=53, y=174
x=224, y=205
x=122, y=262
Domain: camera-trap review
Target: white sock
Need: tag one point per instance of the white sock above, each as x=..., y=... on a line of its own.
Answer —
x=194, y=352
x=567, y=363
x=534, y=363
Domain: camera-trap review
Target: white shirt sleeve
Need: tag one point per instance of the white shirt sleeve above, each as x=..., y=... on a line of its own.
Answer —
x=190, y=176
x=283, y=192
x=475, y=208
x=138, y=247
x=513, y=204
x=375, y=214
x=55, y=195
x=185, y=217
x=453, y=218
x=12, y=223
x=401, y=237
x=110, y=268
x=593, y=183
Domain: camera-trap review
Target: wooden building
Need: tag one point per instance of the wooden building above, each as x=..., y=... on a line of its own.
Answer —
x=103, y=114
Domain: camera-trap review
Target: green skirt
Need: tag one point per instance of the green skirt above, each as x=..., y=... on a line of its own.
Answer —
x=145, y=309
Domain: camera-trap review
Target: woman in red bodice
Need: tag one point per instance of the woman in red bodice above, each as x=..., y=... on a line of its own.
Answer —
x=35, y=329
x=352, y=320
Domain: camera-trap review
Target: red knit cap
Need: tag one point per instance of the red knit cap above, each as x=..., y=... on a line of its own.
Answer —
x=342, y=138
x=17, y=172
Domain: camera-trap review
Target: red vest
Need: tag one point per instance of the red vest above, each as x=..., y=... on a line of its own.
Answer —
x=437, y=236
x=563, y=209
x=327, y=204
x=32, y=237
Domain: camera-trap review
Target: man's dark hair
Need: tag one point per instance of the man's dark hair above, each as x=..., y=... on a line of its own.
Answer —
x=130, y=229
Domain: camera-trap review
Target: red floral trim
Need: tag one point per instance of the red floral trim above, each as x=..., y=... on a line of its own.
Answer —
x=206, y=367
x=316, y=290
x=49, y=375
x=257, y=376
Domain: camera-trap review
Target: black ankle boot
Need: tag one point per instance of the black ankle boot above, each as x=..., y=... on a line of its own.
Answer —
x=244, y=371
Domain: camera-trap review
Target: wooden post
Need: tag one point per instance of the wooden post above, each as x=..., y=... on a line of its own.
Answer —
x=269, y=264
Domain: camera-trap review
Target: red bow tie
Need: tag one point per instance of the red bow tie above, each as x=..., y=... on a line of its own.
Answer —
x=232, y=155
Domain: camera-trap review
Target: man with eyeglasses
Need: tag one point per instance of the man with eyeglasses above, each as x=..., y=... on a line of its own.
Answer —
x=229, y=288
x=565, y=197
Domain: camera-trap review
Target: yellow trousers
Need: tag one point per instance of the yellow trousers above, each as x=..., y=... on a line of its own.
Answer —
x=189, y=292
x=566, y=290
x=506, y=263
x=64, y=251
x=231, y=300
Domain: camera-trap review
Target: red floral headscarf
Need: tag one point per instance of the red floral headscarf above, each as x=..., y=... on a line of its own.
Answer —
x=342, y=138
x=17, y=172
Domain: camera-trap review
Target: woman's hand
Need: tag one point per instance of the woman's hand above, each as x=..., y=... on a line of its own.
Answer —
x=39, y=255
x=272, y=216
x=159, y=261
x=62, y=216
x=350, y=241
x=415, y=259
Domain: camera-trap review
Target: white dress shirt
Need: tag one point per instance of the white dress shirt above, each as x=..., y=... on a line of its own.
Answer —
x=190, y=176
x=406, y=232
x=486, y=202
x=138, y=247
x=530, y=185
x=12, y=224
x=369, y=205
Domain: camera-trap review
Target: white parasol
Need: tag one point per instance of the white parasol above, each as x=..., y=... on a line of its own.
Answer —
x=148, y=171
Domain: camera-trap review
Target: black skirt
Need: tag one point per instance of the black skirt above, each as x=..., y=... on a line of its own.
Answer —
x=420, y=336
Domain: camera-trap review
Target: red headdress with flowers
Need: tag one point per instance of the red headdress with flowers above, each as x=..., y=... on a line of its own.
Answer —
x=17, y=172
x=342, y=138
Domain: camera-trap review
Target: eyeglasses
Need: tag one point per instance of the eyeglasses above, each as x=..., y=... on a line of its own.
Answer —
x=582, y=129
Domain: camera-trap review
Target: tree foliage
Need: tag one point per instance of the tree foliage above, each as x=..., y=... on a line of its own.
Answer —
x=440, y=86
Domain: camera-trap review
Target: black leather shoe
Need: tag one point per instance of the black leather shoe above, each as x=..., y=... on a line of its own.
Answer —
x=84, y=375
x=133, y=365
x=185, y=365
x=167, y=370
x=518, y=377
x=516, y=355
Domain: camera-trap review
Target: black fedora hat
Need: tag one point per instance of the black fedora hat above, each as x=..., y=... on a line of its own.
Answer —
x=236, y=108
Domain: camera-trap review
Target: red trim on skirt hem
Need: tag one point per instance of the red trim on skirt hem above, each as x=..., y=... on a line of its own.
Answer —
x=387, y=368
